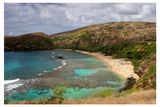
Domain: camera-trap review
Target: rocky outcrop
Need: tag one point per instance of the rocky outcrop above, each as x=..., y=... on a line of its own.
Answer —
x=129, y=84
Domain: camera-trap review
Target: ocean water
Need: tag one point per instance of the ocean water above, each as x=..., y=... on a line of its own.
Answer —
x=34, y=74
x=25, y=65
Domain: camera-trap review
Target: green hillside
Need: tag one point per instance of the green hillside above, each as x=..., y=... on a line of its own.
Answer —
x=26, y=42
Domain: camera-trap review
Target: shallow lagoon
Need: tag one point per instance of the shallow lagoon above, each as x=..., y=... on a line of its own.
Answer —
x=39, y=73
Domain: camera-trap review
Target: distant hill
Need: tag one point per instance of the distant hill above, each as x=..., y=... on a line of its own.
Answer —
x=32, y=41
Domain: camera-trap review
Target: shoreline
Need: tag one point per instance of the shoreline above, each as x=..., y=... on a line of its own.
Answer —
x=123, y=68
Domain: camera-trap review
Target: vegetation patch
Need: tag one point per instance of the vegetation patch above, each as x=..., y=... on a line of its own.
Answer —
x=149, y=79
x=104, y=93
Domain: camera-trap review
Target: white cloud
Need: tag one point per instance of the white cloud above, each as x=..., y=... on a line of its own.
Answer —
x=52, y=18
x=10, y=33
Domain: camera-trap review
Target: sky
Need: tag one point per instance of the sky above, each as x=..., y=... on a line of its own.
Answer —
x=21, y=18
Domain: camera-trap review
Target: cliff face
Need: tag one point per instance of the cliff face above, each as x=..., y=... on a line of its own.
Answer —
x=33, y=41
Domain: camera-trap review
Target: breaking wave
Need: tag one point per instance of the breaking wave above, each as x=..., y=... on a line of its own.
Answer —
x=63, y=64
x=12, y=84
x=11, y=81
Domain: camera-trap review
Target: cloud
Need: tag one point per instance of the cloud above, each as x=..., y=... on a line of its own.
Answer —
x=52, y=18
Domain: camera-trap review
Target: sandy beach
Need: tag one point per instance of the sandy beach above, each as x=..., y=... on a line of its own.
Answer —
x=123, y=68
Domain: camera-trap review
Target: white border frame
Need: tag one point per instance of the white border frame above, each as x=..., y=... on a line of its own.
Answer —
x=79, y=1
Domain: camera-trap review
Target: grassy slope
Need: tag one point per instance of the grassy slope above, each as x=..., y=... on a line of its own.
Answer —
x=103, y=36
x=33, y=41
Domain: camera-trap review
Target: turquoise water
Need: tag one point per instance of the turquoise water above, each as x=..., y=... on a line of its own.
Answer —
x=33, y=75
x=12, y=65
x=77, y=93
x=85, y=72
x=31, y=94
x=72, y=93
x=25, y=65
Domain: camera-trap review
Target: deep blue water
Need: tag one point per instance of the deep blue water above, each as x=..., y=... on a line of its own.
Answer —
x=26, y=65
x=31, y=75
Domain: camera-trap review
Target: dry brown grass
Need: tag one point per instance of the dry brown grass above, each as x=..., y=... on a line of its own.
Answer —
x=142, y=97
x=22, y=102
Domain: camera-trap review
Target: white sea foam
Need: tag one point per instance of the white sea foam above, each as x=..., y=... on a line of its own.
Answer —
x=55, y=68
x=63, y=64
x=45, y=71
x=11, y=81
x=11, y=84
x=40, y=74
x=60, y=67
x=53, y=57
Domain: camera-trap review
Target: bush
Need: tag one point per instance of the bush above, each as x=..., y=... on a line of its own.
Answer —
x=103, y=93
x=126, y=92
x=137, y=51
x=59, y=94
x=125, y=33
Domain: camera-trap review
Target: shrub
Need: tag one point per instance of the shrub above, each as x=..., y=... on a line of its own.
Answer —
x=119, y=27
x=125, y=33
x=103, y=93
x=36, y=101
x=59, y=94
x=126, y=92
x=110, y=29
